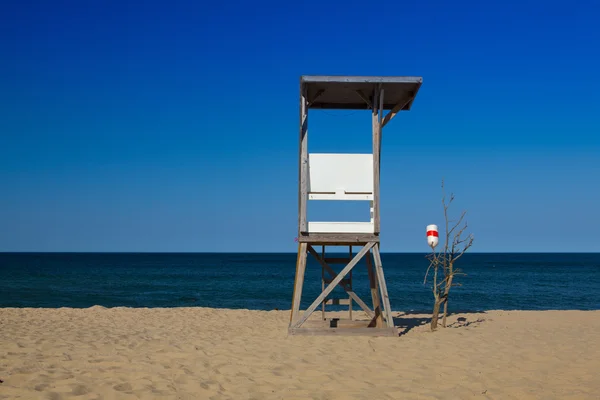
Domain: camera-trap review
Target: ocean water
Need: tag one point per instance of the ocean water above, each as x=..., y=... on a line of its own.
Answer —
x=265, y=281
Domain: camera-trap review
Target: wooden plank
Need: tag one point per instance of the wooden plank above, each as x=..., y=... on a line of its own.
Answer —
x=380, y=111
x=361, y=79
x=392, y=113
x=303, y=161
x=350, y=299
x=344, y=331
x=348, y=289
x=335, y=322
x=382, y=286
x=298, y=282
x=378, y=317
x=333, y=284
x=337, y=260
x=338, y=302
x=345, y=281
x=341, y=174
x=340, y=227
x=338, y=239
x=377, y=221
x=323, y=304
x=376, y=154
x=379, y=120
x=338, y=196
x=322, y=280
x=350, y=307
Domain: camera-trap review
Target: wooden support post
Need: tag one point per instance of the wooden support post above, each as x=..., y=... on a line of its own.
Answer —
x=333, y=284
x=350, y=297
x=303, y=167
x=379, y=121
x=310, y=249
x=382, y=286
x=380, y=111
x=376, y=153
x=348, y=289
x=298, y=282
x=351, y=289
x=378, y=317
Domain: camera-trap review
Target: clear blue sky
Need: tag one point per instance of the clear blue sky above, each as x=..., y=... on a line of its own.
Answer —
x=128, y=126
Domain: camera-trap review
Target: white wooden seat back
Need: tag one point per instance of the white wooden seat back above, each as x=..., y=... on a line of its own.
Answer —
x=334, y=176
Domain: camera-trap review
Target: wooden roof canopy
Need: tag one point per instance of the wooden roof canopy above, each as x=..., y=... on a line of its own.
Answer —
x=356, y=92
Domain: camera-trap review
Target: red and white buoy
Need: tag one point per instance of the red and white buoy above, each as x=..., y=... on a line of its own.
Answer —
x=432, y=235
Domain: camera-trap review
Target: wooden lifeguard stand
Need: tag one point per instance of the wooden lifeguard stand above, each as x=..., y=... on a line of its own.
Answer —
x=335, y=176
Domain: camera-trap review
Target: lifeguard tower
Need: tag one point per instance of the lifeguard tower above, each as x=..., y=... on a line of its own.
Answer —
x=351, y=177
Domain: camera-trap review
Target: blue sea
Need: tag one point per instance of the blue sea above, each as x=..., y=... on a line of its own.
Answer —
x=265, y=281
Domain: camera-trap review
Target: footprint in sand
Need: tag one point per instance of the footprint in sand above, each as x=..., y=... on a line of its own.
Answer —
x=123, y=387
x=79, y=390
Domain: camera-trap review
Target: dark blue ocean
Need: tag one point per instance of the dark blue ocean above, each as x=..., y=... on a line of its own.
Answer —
x=265, y=281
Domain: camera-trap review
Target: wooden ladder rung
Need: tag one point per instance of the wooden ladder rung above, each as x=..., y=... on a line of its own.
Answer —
x=337, y=260
x=338, y=302
x=345, y=281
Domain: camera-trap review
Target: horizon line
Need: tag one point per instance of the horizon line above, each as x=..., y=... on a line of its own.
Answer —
x=269, y=252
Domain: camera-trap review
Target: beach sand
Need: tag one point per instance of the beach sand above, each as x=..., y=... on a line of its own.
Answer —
x=202, y=353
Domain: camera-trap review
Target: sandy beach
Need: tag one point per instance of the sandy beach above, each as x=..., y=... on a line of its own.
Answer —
x=202, y=353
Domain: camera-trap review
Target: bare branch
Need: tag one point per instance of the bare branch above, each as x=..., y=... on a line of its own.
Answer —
x=433, y=262
x=462, y=216
x=465, y=248
x=427, y=273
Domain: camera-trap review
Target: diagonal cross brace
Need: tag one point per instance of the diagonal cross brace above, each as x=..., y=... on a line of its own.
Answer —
x=392, y=113
x=348, y=290
x=334, y=283
x=316, y=96
x=365, y=98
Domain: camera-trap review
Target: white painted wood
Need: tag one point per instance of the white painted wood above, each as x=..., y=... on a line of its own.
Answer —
x=333, y=196
x=338, y=176
x=341, y=227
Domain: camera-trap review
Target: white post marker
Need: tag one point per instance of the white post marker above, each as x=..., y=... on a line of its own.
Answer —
x=432, y=235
